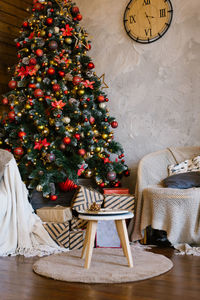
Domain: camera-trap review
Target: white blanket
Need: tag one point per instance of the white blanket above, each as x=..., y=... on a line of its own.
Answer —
x=21, y=230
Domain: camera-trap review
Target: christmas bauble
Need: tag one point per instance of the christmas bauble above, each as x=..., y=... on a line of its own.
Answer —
x=51, y=157
x=81, y=92
x=12, y=84
x=49, y=21
x=127, y=173
x=76, y=80
x=39, y=188
x=68, y=185
x=62, y=146
x=25, y=24
x=41, y=173
x=81, y=152
x=75, y=10
x=56, y=87
x=111, y=176
x=68, y=41
x=66, y=140
x=101, y=98
x=79, y=17
x=38, y=93
x=45, y=132
x=51, y=71
x=102, y=105
x=77, y=136
x=21, y=134
x=104, y=136
x=61, y=73
x=88, y=173
x=5, y=101
x=90, y=66
x=19, y=151
x=53, y=45
x=53, y=197
x=42, y=32
x=32, y=85
x=39, y=52
x=114, y=124
x=66, y=120
x=11, y=115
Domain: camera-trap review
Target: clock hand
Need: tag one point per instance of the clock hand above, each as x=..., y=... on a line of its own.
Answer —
x=147, y=18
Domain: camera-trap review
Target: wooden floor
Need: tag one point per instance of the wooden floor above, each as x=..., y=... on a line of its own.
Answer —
x=18, y=282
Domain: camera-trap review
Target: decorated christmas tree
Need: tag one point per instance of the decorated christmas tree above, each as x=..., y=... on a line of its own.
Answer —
x=58, y=126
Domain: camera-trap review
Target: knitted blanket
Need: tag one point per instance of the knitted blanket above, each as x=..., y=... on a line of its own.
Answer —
x=173, y=210
x=21, y=230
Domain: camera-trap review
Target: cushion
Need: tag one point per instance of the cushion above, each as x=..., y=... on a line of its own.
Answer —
x=188, y=165
x=183, y=180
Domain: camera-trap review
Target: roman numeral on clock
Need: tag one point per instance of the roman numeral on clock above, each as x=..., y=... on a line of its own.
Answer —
x=148, y=32
x=162, y=13
x=147, y=2
x=132, y=19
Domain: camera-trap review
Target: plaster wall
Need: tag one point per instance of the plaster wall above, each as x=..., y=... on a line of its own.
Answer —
x=153, y=89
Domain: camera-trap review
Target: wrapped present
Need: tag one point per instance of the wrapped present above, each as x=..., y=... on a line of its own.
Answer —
x=107, y=236
x=119, y=202
x=78, y=223
x=59, y=232
x=118, y=191
x=84, y=197
x=76, y=239
x=57, y=214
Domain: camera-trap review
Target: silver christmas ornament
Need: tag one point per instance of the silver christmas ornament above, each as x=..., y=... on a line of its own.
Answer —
x=66, y=120
x=102, y=105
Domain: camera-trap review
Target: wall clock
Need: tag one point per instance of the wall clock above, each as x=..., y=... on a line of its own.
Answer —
x=146, y=21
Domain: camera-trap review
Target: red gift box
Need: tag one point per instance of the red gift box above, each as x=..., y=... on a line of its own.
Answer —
x=118, y=191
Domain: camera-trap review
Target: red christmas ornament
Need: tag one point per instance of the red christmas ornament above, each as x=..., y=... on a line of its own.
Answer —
x=101, y=98
x=114, y=124
x=38, y=93
x=77, y=136
x=75, y=10
x=127, y=173
x=49, y=34
x=76, y=80
x=61, y=73
x=92, y=120
x=102, y=184
x=81, y=152
x=32, y=61
x=39, y=52
x=90, y=66
x=49, y=21
x=66, y=92
x=68, y=185
x=79, y=17
x=51, y=71
x=56, y=87
x=18, y=151
x=106, y=99
x=5, y=101
x=32, y=85
x=25, y=24
x=88, y=47
x=21, y=134
x=66, y=140
x=38, y=6
x=11, y=115
x=53, y=197
x=12, y=84
x=18, y=45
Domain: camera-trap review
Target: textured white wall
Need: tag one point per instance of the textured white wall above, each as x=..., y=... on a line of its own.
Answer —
x=154, y=89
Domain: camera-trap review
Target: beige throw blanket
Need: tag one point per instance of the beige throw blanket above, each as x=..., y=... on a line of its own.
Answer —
x=173, y=210
x=21, y=230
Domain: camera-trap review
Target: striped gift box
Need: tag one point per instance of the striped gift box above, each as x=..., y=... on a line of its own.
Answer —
x=76, y=239
x=119, y=202
x=58, y=232
x=85, y=197
x=78, y=224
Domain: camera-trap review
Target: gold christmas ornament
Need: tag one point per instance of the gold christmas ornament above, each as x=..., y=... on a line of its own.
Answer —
x=40, y=127
x=97, y=149
x=39, y=79
x=51, y=121
x=19, y=114
x=40, y=99
x=96, y=133
x=88, y=173
x=45, y=132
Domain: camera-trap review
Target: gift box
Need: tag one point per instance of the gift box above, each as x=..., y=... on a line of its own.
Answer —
x=58, y=214
x=84, y=198
x=78, y=223
x=118, y=191
x=119, y=202
x=59, y=232
x=107, y=236
x=76, y=239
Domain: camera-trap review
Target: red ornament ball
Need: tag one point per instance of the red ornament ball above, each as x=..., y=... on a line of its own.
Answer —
x=18, y=151
x=53, y=45
x=66, y=140
x=101, y=98
x=5, y=101
x=90, y=66
x=67, y=185
x=77, y=136
x=38, y=6
x=114, y=124
x=33, y=61
x=102, y=184
x=92, y=120
x=51, y=71
x=39, y=52
x=127, y=173
x=49, y=21
x=79, y=17
x=75, y=10
x=25, y=24
x=61, y=73
x=88, y=47
x=53, y=197
x=32, y=85
x=56, y=87
x=76, y=80
x=21, y=134
x=12, y=84
x=81, y=152
x=38, y=93
x=11, y=115
x=18, y=45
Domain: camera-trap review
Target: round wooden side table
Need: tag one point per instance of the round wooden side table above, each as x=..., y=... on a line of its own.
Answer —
x=120, y=223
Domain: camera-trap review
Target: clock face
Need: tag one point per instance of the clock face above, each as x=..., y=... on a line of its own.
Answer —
x=146, y=21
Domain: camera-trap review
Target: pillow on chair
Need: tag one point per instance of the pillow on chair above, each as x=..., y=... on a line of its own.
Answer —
x=183, y=180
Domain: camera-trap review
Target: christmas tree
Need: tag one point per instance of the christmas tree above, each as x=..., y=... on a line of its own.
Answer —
x=58, y=126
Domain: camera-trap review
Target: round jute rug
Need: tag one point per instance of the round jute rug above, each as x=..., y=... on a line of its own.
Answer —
x=107, y=266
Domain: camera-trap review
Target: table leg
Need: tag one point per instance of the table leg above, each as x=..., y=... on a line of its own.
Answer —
x=123, y=235
x=85, y=242
x=92, y=227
